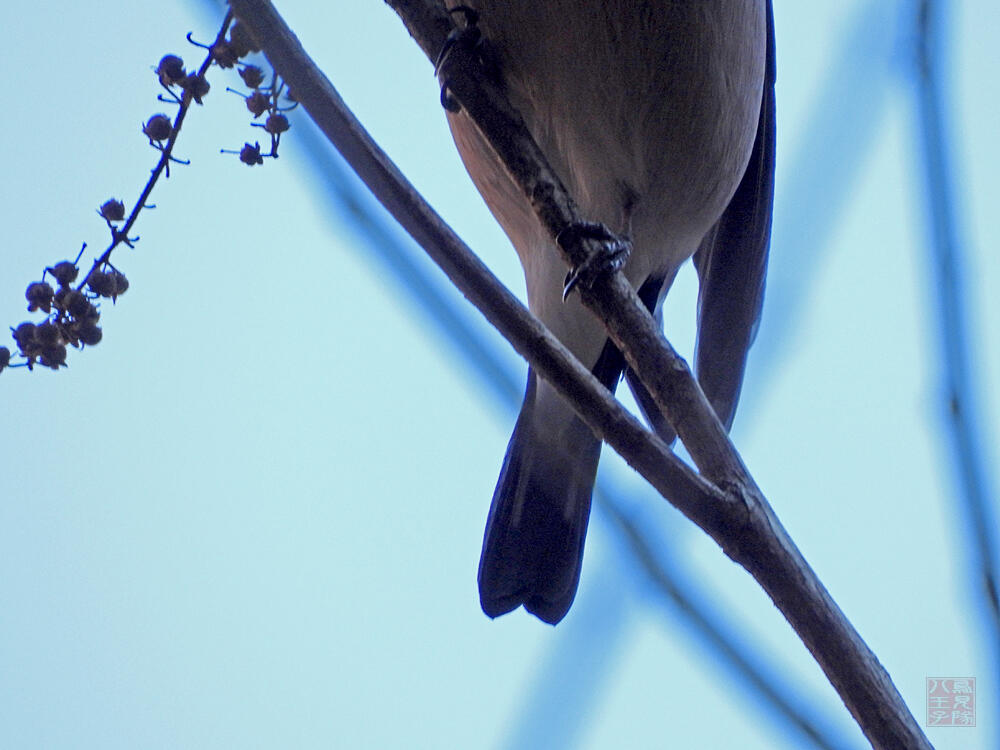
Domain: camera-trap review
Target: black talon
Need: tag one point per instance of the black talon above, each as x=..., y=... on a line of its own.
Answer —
x=610, y=254
x=469, y=37
x=449, y=102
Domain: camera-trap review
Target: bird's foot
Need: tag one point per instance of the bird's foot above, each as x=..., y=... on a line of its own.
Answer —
x=608, y=253
x=468, y=38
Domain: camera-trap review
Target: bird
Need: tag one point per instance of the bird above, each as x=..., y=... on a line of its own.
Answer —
x=658, y=117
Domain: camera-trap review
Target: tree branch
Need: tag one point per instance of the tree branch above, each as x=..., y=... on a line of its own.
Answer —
x=717, y=628
x=729, y=507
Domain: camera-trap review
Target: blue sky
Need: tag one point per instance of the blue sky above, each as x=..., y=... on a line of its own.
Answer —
x=251, y=516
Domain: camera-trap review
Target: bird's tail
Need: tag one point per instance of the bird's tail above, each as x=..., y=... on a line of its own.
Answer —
x=533, y=546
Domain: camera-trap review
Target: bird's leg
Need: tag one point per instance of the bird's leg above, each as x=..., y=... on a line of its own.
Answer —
x=606, y=252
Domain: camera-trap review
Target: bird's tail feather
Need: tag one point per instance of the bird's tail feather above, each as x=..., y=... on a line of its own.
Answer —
x=533, y=546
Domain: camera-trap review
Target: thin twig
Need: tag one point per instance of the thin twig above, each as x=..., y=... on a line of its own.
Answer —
x=737, y=517
x=120, y=236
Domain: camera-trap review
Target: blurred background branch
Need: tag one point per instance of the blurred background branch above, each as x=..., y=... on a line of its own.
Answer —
x=962, y=410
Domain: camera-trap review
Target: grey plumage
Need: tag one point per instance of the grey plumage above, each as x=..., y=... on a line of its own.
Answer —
x=658, y=117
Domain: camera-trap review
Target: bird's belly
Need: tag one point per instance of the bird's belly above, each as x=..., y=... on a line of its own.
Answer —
x=647, y=110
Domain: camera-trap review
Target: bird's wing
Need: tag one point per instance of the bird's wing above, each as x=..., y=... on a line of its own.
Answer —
x=731, y=263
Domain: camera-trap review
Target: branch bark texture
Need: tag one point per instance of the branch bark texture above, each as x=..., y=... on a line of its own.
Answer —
x=723, y=499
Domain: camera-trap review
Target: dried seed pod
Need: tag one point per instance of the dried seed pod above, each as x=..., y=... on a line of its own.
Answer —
x=78, y=306
x=53, y=356
x=39, y=296
x=100, y=283
x=120, y=283
x=24, y=336
x=112, y=210
x=224, y=55
x=47, y=334
x=158, y=128
x=250, y=155
x=170, y=70
x=90, y=334
x=276, y=124
x=60, y=297
x=258, y=103
x=197, y=85
x=64, y=272
x=252, y=76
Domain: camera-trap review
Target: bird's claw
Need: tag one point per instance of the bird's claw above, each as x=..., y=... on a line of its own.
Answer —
x=608, y=256
x=469, y=36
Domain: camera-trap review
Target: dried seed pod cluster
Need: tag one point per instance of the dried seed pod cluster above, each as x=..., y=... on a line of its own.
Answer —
x=70, y=300
x=71, y=314
x=261, y=100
